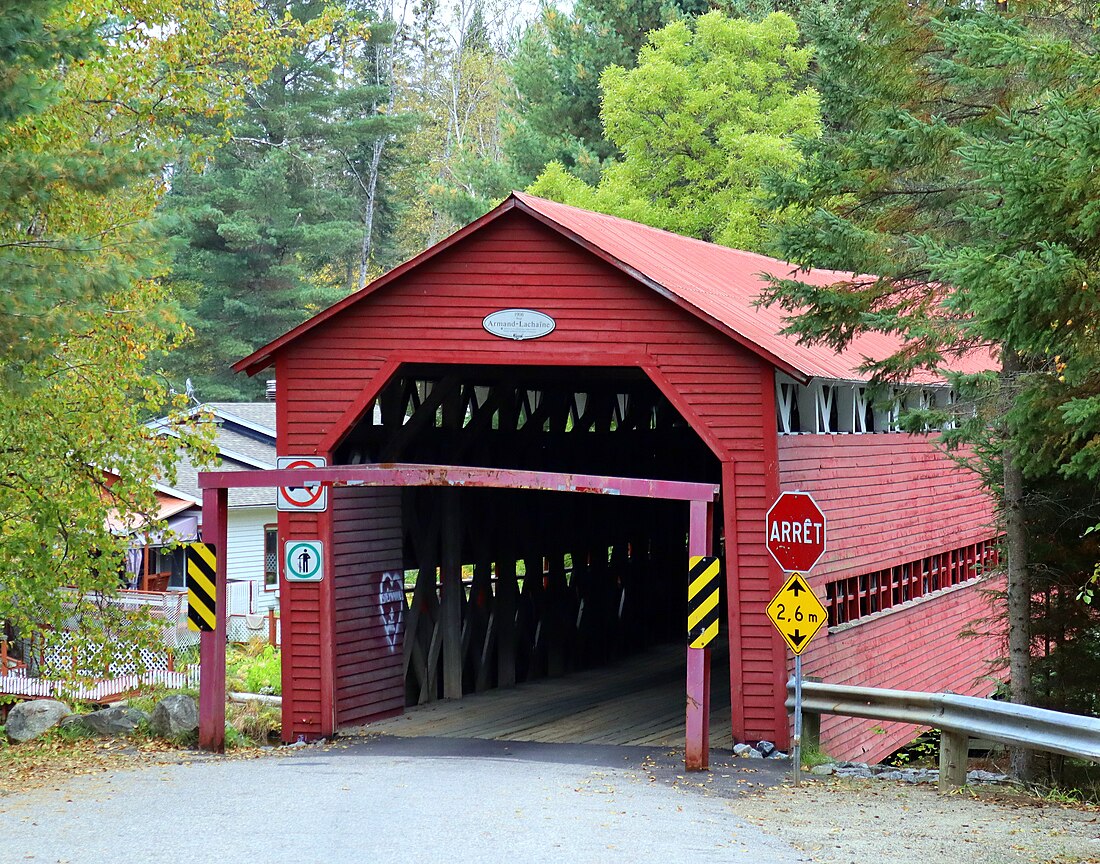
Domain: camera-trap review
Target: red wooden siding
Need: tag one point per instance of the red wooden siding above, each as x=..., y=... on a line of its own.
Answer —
x=369, y=627
x=891, y=499
x=888, y=498
x=304, y=656
x=919, y=646
x=433, y=314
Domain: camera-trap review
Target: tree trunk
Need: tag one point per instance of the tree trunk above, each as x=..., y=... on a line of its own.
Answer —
x=1019, y=579
x=368, y=211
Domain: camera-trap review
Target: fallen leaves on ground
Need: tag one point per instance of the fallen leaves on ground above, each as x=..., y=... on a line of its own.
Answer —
x=52, y=760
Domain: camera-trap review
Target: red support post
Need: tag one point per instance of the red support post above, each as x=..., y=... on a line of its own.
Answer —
x=697, y=751
x=212, y=644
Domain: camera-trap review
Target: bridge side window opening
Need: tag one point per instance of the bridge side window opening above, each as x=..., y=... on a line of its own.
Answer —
x=855, y=597
x=828, y=407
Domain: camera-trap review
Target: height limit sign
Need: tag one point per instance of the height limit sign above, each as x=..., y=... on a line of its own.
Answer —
x=303, y=561
x=796, y=613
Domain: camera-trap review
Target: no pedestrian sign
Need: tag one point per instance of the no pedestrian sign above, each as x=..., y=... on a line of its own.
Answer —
x=796, y=613
x=304, y=561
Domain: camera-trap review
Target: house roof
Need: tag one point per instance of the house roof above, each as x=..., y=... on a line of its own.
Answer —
x=167, y=505
x=719, y=285
x=244, y=439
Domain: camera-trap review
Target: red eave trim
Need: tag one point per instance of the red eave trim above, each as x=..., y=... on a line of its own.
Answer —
x=668, y=294
x=261, y=359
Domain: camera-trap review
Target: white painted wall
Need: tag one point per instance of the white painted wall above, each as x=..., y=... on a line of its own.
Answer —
x=245, y=530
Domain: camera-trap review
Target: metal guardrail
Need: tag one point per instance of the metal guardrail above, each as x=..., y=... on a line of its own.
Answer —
x=960, y=718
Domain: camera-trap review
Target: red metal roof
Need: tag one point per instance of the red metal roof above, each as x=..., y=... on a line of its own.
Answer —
x=718, y=284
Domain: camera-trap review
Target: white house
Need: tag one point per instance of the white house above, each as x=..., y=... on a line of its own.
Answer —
x=244, y=439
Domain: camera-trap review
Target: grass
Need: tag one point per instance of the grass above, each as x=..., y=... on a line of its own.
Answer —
x=814, y=756
x=252, y=723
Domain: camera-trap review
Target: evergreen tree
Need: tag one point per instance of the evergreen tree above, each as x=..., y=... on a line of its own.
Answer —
x=283, y=219
x=710, y=108
x=958, y=165
x=556, y=74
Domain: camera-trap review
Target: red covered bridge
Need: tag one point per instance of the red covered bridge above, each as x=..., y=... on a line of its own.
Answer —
x=543, y=338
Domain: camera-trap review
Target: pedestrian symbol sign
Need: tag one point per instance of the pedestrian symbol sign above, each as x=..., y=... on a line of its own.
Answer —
x=796, y=613
x=304, y=561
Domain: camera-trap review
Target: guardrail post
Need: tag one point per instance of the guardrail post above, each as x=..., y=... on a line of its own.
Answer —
x=811, y=731
x=954, y=753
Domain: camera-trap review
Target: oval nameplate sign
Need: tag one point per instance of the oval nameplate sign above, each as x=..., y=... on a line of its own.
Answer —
x=518, y=324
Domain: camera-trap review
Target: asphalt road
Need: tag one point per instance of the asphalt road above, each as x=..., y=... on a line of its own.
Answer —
x=400, y=800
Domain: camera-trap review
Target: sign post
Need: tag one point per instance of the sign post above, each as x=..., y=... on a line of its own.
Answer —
x=796, y=749
x=797, y=614
x=704, y=577
x=795, y=537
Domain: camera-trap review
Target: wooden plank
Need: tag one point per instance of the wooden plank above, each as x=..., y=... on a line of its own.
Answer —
x=639, y=699
x=451, y=590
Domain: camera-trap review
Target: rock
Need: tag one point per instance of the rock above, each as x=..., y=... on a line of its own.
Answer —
x=985, y=777
x=28, y=720
x=174, y=715
x=741, y=749
x=766, y=748
x=823, y=770
x=120, y=720
x=754, y=753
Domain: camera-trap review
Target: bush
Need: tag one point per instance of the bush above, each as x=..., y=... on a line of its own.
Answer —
x=254, y=668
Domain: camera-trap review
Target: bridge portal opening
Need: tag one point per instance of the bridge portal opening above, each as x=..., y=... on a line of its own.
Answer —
x=488, y=588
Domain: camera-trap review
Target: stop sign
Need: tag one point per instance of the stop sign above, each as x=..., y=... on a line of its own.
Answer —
x=796, y=531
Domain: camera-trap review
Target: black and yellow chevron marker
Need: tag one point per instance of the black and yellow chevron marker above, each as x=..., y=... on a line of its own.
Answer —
x=703, y=584
x=202, y=595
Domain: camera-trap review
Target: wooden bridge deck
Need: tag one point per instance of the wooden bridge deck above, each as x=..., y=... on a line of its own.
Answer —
x=638, y=701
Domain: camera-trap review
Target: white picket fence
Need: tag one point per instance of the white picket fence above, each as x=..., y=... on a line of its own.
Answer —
x=20, y=685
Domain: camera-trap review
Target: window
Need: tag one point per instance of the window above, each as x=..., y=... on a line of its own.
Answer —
x=854, y=597
x=167, y=562
x=271, y=557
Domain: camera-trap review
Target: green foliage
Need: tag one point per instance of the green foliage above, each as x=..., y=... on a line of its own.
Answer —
x=83, y=127
x=270, y=227
x=958, y=165
x=234, y=739
x=925, y=750
x=556, y=75
x=451, y=168
x=254, y=668
x=1065, y=630
x=254, y=722
x=708, y=111
x=955, y=168
x=814, y=756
